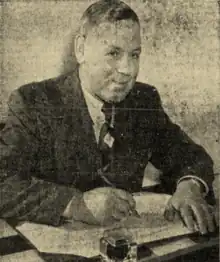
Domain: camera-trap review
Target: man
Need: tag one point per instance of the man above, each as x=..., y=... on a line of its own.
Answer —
x=75, y=147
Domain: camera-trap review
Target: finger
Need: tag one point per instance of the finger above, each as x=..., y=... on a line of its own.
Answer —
x=187, y=217
x=122, y=206
x=122, y=194
x=169, y=213
x=118, y=215
x=215, y=213
x=209, y=218
x=200, y=217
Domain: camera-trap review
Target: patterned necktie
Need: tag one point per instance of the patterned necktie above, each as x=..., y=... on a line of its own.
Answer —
x=106, y=137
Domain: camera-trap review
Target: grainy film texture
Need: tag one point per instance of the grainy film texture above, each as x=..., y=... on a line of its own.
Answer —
x=180, y=55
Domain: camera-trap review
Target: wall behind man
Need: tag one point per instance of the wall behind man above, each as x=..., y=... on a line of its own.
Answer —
x=180, y=55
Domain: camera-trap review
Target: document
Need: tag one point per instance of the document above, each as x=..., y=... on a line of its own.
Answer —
x=83, y=240
x=6, y=230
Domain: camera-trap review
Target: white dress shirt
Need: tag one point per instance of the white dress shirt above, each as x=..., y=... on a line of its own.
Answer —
x=95, y=110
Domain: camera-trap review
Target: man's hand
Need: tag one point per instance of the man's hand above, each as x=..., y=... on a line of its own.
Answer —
x=109, y=205
x=188, y=203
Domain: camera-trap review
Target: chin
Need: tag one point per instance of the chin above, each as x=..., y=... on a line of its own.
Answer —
x=117, y=98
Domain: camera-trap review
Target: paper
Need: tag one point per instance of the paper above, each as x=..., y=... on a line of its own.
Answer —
x=151, y=202
x=83, y=240
x=6, y=230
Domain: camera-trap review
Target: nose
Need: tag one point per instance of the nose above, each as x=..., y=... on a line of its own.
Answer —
x=125, y=66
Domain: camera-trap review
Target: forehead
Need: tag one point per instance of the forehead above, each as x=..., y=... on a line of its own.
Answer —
x=123, y=32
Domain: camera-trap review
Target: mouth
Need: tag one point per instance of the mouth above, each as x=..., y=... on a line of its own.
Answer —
x=121, y=82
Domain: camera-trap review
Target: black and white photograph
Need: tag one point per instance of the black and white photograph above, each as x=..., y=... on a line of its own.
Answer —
x=109, y=130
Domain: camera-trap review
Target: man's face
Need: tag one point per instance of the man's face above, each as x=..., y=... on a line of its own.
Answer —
x=111, y=59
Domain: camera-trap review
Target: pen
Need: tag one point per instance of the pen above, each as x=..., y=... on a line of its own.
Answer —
x=109, y=183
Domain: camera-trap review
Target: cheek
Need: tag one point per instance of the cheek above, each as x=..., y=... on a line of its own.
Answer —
x=104, y=71
x=101, y=66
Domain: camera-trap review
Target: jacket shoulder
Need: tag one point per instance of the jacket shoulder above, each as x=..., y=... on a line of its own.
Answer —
x=143, y=88
x=144, y=94
x=42, y=88
x=39, y=92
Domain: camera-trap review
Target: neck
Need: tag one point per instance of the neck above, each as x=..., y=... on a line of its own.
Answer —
x=85, y=83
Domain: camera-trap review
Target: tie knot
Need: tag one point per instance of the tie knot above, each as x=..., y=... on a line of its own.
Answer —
x=107, y=111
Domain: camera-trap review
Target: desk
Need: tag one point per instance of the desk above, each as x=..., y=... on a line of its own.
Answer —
x=13, y=247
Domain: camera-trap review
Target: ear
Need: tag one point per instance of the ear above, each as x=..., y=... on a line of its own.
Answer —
x=79, y=48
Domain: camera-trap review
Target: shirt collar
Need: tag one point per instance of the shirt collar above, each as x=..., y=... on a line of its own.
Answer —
x=93, y=101
x=94, y=106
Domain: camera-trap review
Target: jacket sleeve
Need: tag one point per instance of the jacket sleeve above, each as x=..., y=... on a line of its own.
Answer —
x=177, y=155
x=22, y=195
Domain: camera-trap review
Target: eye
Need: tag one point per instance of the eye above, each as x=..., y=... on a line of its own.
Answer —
x=114, y=53
x=136, y=55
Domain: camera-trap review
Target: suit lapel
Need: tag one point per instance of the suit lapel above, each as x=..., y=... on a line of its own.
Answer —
x=79, y=126
x=123, y=123
x=124, y=161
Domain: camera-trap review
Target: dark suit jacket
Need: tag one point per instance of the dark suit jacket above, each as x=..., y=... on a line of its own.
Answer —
x=49, y=152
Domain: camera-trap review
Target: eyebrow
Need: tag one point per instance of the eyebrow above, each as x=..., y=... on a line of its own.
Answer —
x=119, y=48
x=137, y=49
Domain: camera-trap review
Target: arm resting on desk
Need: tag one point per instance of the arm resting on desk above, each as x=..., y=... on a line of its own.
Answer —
x=177, y=156
x=23, y=196
x=34, y=200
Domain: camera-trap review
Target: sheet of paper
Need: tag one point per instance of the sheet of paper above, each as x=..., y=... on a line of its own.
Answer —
x=6, y=230
x=151, y=203
x=83, y=240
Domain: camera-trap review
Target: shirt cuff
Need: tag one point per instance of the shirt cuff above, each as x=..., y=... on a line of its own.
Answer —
x=197, y=180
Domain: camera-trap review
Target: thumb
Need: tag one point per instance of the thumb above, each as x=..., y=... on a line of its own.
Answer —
x=124, y=195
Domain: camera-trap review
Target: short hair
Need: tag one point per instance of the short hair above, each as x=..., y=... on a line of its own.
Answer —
x=106, y=11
